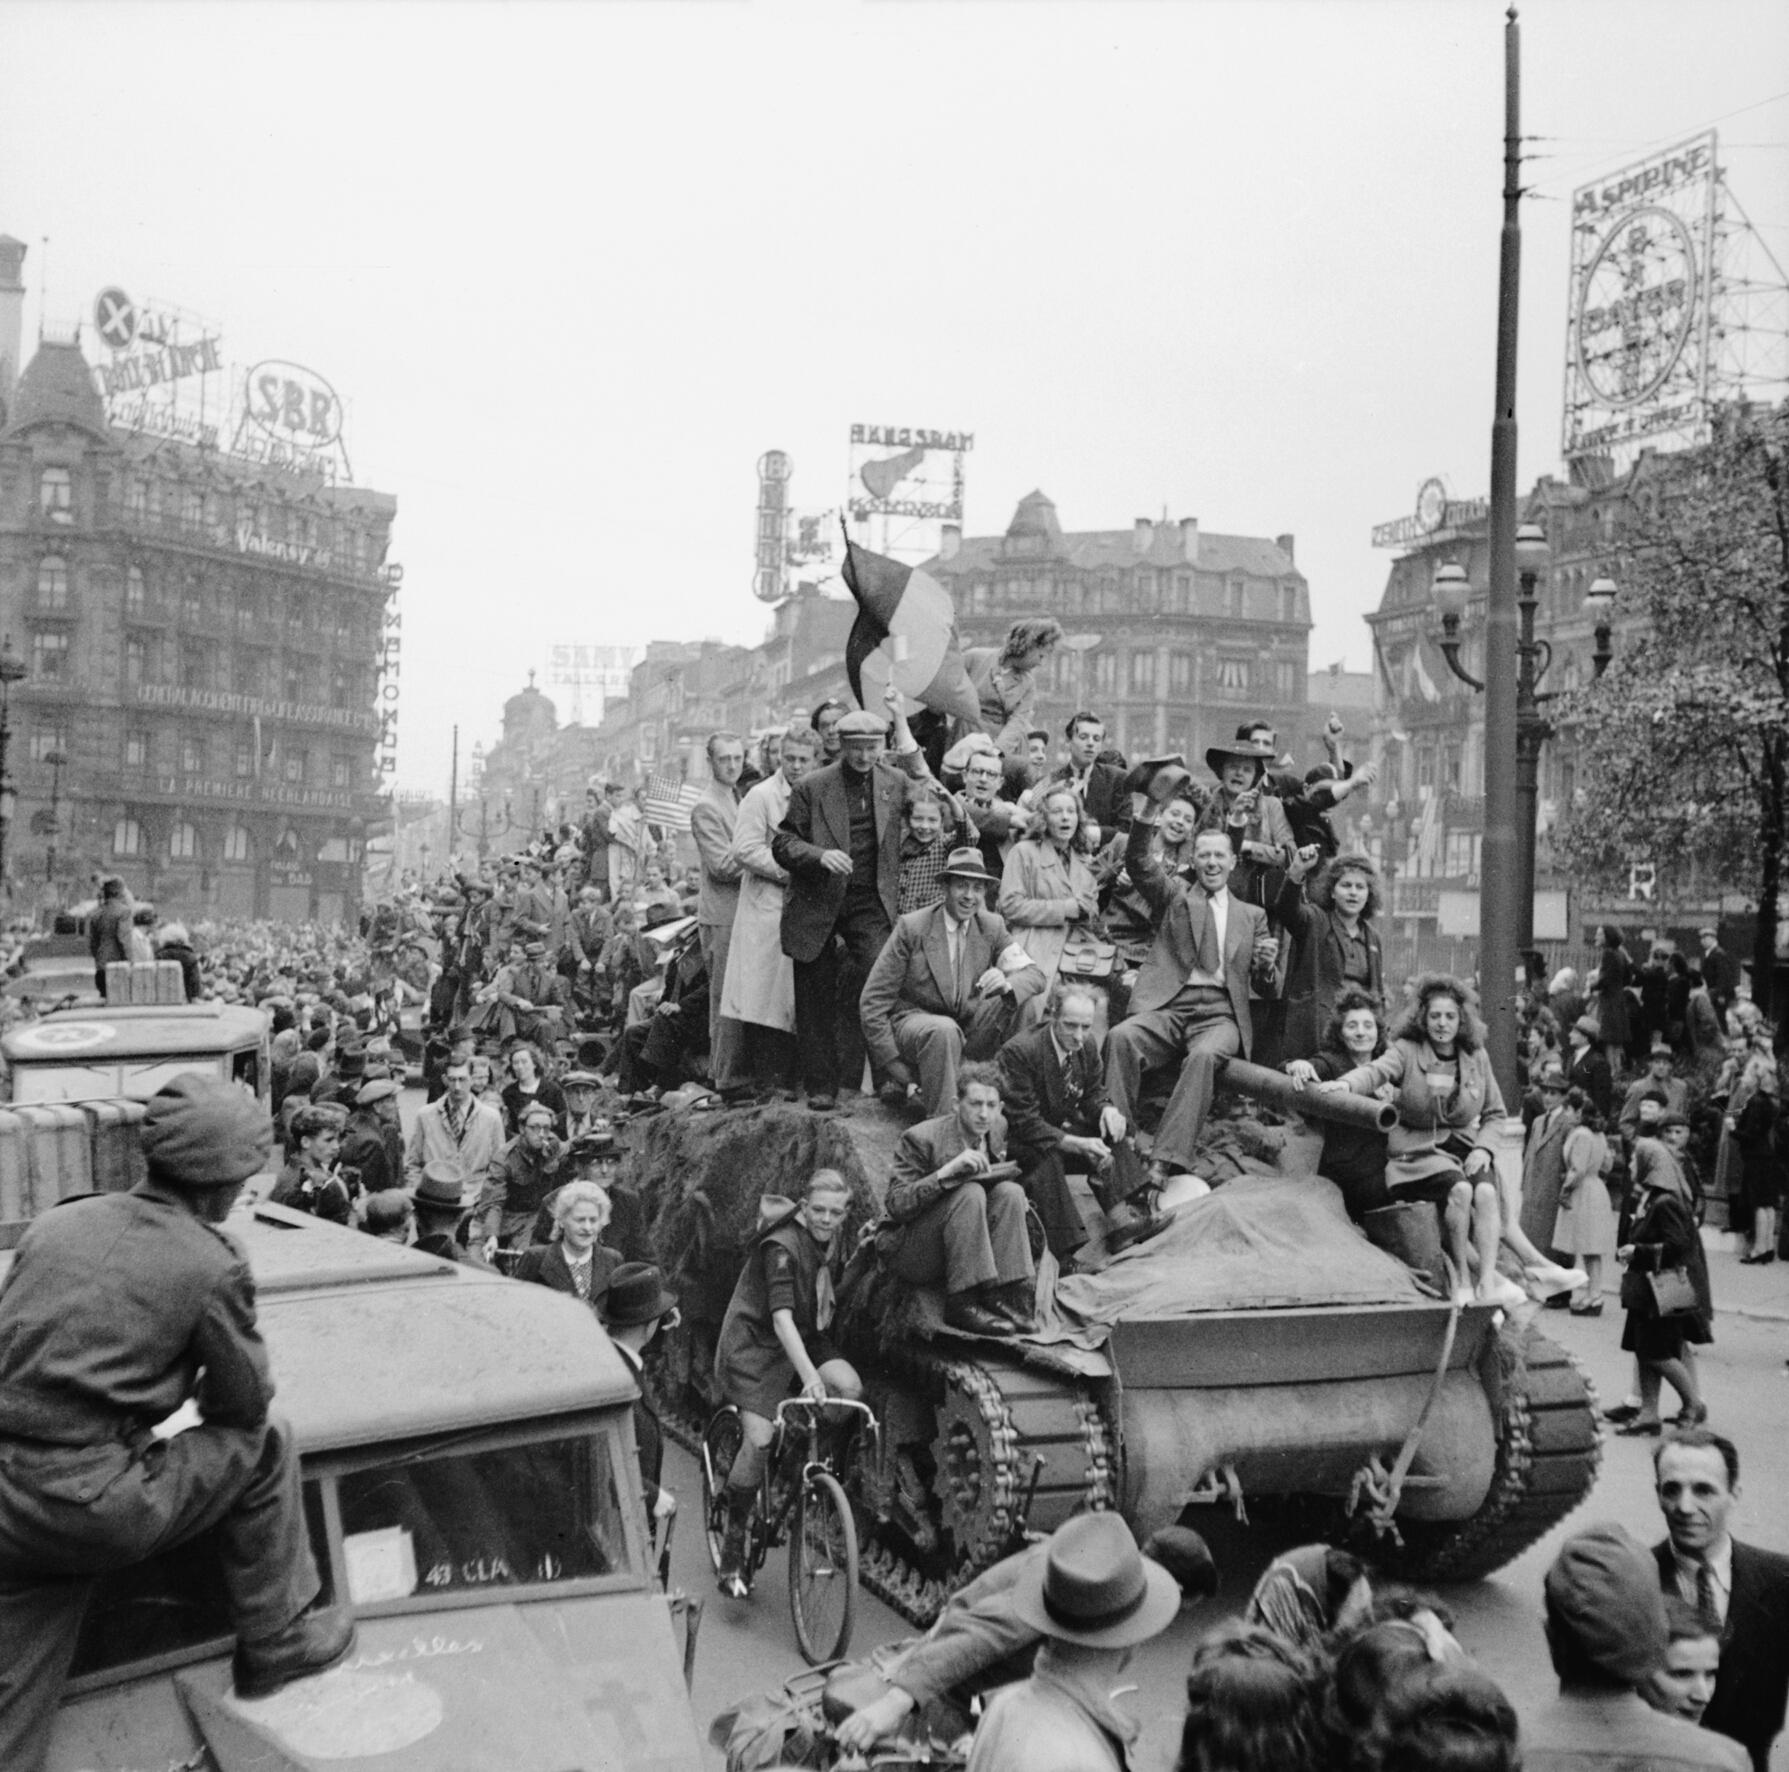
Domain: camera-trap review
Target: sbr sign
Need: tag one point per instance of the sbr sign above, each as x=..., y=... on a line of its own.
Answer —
x=293, y=403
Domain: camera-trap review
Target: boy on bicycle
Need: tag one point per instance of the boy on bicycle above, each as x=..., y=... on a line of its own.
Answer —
x=774, y=1340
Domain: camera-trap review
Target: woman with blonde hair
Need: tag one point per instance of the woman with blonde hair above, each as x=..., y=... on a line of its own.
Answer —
x=575, y=1259
x=1006, y=682
x=1048, y=891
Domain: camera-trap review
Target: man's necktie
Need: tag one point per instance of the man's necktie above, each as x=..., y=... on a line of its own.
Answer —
x=1209, y=959
x=959, y=941
x=825, y=1302
x=1706, y=1603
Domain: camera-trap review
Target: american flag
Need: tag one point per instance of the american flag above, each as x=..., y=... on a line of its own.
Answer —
x=668, y=801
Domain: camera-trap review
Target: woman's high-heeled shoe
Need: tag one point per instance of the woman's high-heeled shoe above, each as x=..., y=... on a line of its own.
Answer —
x=1632, y=1430
x=1691, y=1417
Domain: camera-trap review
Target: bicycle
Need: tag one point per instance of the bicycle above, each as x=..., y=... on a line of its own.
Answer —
x=800, y=1501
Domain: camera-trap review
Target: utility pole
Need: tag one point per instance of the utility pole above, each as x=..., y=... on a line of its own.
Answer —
x=453, y=795
x=1499, y=873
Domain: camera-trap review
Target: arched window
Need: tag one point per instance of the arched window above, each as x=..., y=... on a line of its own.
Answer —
x=127, y=837
x=183, y=842
x=236, y=844
x=52, y=582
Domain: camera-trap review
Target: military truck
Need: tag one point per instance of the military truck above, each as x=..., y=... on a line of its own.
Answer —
x=473, y=1493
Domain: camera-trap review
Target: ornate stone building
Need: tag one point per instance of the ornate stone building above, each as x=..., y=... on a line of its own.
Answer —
x=201, y=638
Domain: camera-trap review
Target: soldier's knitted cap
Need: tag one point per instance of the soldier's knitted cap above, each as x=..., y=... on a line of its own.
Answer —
x=202, y=1132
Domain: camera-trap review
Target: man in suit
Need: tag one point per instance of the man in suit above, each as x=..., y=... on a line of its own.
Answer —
x=953, y=1228
x=636, y=1303
x=1053, y=1085
x=711, y=827
x=459, y=1127
x=1720, y=972
x=840, y=842
x=1191, y=998
x=1741, y=1588
x=947, y=986
x=1100, y=785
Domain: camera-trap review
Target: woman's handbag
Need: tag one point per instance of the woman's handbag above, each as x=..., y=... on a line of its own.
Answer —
x=1085, y=954
x=1673, y=1292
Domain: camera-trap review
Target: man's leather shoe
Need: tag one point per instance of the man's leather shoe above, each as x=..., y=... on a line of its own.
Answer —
x=312, y=1642
x=1017, y=1303
x=971, y=1316
x=1137, y=1230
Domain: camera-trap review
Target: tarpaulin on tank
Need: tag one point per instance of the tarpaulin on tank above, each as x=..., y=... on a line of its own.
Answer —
x=1253, y=1244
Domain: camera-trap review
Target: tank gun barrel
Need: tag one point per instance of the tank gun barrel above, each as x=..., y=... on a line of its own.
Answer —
x=1277, y=1092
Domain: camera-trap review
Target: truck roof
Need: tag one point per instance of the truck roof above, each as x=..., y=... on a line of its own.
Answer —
x=132, y=1031
x=373, y=1342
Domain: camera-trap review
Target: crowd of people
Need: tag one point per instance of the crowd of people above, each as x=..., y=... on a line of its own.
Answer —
x=1673, y=1656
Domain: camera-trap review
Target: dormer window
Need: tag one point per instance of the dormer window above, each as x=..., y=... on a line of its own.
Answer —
x=56, y=495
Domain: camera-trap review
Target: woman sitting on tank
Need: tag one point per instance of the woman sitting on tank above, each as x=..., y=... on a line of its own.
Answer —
x=1447, y=1100
x=1354, y=1157
x=774, y=1340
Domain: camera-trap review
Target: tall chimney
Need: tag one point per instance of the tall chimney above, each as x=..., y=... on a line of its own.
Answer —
x=1143, y=535
x=12, y=312
x=950, y=541
x=1189, y=539
x=1284, y=544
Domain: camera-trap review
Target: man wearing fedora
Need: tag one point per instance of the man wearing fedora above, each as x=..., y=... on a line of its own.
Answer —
x=635, y=1305
x=1191, y=998
x=1093, y=1598
x=840, y=843
x=1655, y=1080
x=946, y=986
x=120, y=1311
x=979, y=1643
x=439, y=1199
x=1266, y=839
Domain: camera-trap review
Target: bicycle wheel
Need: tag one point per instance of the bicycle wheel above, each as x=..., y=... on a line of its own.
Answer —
x=823, y=1569
x=721, y=1441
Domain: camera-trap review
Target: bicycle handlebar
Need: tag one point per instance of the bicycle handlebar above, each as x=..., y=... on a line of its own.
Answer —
x=808, y=1405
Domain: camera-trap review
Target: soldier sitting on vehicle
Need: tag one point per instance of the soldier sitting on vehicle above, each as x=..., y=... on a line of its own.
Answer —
x=775, y=1336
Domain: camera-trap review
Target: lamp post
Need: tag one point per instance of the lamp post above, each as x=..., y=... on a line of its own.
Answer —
x=56, y=760
x=485, y=833
x=1533, y=728
x=12, y=670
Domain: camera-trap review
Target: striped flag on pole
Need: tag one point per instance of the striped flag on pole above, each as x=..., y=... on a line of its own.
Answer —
x=906, y=628
x=668, y=801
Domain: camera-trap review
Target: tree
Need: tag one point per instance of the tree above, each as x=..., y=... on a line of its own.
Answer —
x=1684, y=741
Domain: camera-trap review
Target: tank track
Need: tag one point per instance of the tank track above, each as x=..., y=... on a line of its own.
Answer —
x=1549, y=1448
x=995, y=1416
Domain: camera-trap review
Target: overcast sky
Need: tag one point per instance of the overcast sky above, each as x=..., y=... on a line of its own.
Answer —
x=575, y=266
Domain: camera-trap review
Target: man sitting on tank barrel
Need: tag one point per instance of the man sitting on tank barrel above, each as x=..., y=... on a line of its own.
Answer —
x=121, y=1311
x=774, y=1336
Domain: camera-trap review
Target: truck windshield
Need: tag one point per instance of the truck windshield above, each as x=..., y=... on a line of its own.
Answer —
x=547, y=1510
x=456, y=1520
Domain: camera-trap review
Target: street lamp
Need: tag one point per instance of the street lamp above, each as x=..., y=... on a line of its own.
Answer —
x=53, y=829
x=12, y=670
x=1533, y=656
x=485, y=831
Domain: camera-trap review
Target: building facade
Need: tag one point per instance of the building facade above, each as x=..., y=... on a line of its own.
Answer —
x=1175, y=635
x=202, y=639
x=1427, y=821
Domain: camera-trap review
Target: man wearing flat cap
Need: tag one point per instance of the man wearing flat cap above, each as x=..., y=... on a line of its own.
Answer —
x=946, y=986
x=1093, y=1597
x=121, y=1309
x=373, y=1139
x=1607, y=1635
x=840, y=843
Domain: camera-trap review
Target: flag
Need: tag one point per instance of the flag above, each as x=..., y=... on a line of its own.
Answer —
x=668, y=801
x=906, y=628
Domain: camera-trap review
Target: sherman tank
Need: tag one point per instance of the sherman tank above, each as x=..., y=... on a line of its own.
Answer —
x=1261, y=1353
